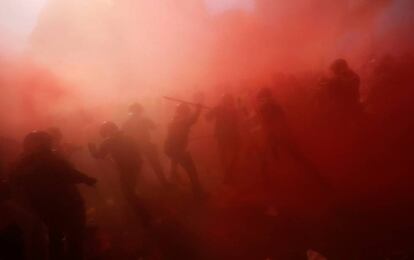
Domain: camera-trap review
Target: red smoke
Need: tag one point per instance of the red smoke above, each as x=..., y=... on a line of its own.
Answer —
x=110, y=53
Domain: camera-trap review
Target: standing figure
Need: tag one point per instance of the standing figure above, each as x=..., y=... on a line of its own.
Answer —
x=298, y=220
x=124, y=152
x=227, y=133
x=176, y=144
x=47, y=185
x=277, y=132
x=341, y=94
x=140, y=127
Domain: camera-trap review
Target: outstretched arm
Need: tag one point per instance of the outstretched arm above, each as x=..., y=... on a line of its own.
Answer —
x=78, y=177
x=72, y=175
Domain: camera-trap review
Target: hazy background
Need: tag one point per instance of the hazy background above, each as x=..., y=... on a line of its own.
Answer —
x=85, y=58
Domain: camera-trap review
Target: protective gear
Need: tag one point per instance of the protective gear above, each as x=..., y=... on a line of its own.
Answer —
x=37, y=141
x=108, y=129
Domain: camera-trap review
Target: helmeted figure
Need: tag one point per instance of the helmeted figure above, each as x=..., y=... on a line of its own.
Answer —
x=176, y=144
x=47, y=185
x=342, y=92
x=227, y=133
x=140, y=127
x=124, y=152
x=272, y=119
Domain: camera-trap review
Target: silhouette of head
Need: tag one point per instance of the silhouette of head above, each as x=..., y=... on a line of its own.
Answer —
x=37, y=141
x=339, y=66
x=108, y=129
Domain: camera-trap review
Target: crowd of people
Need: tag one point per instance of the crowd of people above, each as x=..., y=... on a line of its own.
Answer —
x=295, y=180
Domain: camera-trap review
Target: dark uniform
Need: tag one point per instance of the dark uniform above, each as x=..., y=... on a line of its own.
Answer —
x=298, y=220
x=140, y=127
x=176, y=144
x=227, y=133
x=277, y=132
x=342, y=95
x=125, y=153
x=47, y=183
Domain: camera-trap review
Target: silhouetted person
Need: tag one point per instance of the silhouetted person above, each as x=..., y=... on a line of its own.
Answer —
x=47, y=184
x=124, y=152
x=227, y=133
x=22, y=234
x=140, y=127
x=278, y=139
x=277, y=132
x=342, y=92
x=176, y=144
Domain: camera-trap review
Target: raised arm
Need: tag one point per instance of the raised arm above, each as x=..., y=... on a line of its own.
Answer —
x=71, y=175
x=77, y=177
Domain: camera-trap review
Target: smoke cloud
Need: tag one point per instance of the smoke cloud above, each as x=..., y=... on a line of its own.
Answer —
x=96, y=54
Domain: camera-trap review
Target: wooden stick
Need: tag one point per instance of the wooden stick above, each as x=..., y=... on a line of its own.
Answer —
x=185, y=102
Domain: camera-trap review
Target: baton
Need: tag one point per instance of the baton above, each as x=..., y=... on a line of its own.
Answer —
x=185, y=102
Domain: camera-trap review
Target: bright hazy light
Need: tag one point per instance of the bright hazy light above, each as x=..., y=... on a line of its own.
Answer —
x=216, y=6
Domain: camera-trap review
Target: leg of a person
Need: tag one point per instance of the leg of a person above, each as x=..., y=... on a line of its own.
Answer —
x=152, y=156
x=264, y=156
x=128, y=184
x=135, y=207
x=225, y=157
x=308, y=165
x=222, y=149
x=232, y=156
x=186, y=161
x=173, y=171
